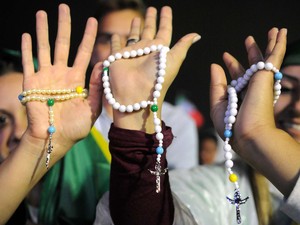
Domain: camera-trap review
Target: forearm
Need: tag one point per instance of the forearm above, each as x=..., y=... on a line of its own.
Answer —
x=133, y=197
x=275, y=154
x=24, y=167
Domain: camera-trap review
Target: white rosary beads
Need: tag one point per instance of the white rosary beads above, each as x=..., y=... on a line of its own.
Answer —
x=51, y=96
x=230, y=118
x=162, y=59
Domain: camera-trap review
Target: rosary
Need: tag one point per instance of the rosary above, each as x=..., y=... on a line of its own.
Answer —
x=230, y=118
x=51, y=96
x=162, y=59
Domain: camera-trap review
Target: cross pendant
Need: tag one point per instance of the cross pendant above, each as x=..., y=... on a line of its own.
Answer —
x=237, y=201
x=158, y=172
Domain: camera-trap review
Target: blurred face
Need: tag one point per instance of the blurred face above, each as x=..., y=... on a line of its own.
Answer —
x=208, y=151
x=287, y=109
x=13, y=121
x=118, y=22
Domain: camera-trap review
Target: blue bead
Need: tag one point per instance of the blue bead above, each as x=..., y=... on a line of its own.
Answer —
x=227, y=133
x=278, y=76
x=20, y=97
x=51, y=129
x=159, y=150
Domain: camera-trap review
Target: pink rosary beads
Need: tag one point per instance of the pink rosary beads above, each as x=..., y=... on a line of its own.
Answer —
x=230, y=117
x=162, y=59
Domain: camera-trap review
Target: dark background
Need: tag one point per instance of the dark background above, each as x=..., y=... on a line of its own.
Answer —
x=223, y=26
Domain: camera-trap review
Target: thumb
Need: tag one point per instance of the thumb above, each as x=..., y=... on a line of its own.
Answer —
x=182, y=46
x=96, y=91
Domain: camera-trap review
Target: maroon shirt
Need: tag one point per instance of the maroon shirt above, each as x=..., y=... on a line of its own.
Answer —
x=133, y=199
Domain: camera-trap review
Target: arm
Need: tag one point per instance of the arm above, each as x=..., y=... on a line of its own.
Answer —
x=132, y=187
x=268, y=149
x=26, y=165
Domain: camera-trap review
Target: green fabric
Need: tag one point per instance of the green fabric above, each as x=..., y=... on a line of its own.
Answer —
x=292, y=55
x=72, y=188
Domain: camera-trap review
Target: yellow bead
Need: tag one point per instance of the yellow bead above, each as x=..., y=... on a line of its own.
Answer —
x=233, y=177
x=79, y=89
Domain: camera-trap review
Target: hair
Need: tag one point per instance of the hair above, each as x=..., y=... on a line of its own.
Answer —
x=10, y=61
x=207, y=134
x=292, y=55
x=107, y=6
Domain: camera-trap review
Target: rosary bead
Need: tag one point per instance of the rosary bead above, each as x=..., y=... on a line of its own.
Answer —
x=228, y=155
x=79, y=89
x=227, y=133
x=153, y=48
x=51, y=129
x=233, y=177
x=118, y=55
x=111, y=58
x=268, y=66
x=116, y=105
x=136, y=106
x=140, y=52
x=229, y=163
x=144, y=104
x=154, y=108
x=50, y=102
x=161, y=72
x=126, y=55
x=159, y=136
x=159, y=150
x=158, y=87
x=260, y=65
x=160, y=80
x=147, y=50
x=111, y=101
x=122, y=108
x=133, y=53
x=156, y=94
x=129, y=108
x=278, y=76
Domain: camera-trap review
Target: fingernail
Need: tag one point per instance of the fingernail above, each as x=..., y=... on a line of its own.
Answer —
x=196, y=38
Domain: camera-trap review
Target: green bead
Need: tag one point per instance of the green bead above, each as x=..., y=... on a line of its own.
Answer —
x=154, y=108
x=105, y=69
x=50, y=102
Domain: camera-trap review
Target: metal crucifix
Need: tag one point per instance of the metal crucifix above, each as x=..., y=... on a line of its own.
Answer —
x=158, y=172
x=237, y=201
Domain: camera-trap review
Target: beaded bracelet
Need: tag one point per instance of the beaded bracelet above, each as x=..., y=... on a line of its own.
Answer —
x=51, y=96
x=230, y=118
x=162, y=59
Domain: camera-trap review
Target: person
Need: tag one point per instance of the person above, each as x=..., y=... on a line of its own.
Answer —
x=208, y=147
x=114, y=17
x=16, y=183
x=126, y=127
x=126, y=207
x=66, y=194
x=66, y=183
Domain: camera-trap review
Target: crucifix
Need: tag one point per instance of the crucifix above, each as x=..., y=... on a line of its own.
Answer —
x=237, y=201
x=158, y=172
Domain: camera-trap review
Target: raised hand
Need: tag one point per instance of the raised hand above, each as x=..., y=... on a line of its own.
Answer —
x=257, y=107
x=72, y=118
x=132, y=80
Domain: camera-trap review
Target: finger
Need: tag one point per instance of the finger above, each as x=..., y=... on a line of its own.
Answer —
x=43, y=46
x=272, y=38
x=218, y=95
x=150, y=24
x=254, y=53
x=276, y=56
x=180, y=49
x=115, y=43
x=135, y=30
x=62, y=43
x=165, y=25
x=85, y=48
x=95, y=91
x=234, y=67
x=27, y=59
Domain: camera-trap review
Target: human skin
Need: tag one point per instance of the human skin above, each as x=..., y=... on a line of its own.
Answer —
x=13, y=120
x=256, y=138
x=287, y=108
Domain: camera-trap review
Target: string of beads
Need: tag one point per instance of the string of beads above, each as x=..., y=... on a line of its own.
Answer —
x=230, y=117
x=51, y=96
x=162, y=60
